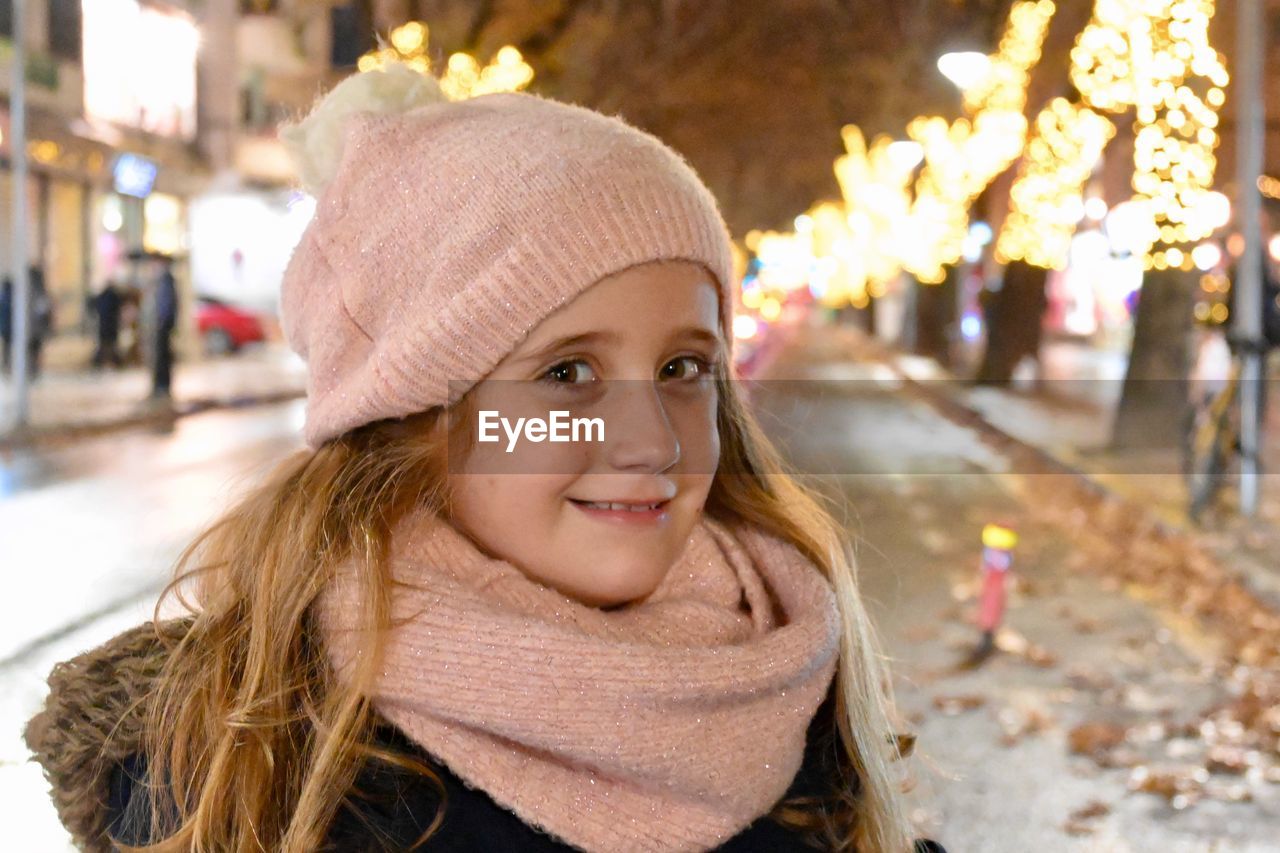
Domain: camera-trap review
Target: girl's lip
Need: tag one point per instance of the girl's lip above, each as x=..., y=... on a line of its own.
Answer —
x=625, y=512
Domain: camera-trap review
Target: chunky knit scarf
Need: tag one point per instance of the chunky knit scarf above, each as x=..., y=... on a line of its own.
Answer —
x=668, y=725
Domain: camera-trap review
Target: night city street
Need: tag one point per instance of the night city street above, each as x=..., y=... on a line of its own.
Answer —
x=929, y=493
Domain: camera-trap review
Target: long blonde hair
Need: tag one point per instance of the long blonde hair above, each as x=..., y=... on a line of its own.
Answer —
x=259, y=745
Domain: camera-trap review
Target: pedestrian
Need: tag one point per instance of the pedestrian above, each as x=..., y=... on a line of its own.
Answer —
x=39, y=319
x=407, y=635
x=6, y=319
x=108, y=304
x=165, y=317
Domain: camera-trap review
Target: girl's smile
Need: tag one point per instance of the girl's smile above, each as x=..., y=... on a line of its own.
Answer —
x=625, y=512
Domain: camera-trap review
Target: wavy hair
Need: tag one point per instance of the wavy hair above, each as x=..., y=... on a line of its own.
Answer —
x=259, y=744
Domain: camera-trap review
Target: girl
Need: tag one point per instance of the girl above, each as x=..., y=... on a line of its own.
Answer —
x=408, y=636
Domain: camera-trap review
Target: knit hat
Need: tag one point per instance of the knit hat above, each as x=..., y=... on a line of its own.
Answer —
x=445, y=232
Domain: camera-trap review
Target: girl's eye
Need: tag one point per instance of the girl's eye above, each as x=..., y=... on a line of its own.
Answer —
x=686, y=368
x=570, y=373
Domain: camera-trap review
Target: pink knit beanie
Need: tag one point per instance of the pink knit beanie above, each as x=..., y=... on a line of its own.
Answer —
x=448, y=231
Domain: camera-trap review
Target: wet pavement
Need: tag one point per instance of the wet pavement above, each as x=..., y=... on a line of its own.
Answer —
x=90, y=532
x=71, y=396
x=1096, y=693
x=1089, y=730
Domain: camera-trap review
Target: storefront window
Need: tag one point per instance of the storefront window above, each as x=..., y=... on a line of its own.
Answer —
x=64, y=253
x=164, y=228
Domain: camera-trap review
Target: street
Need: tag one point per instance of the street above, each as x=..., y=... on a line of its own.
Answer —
x=1082, y=656
x=90, y=532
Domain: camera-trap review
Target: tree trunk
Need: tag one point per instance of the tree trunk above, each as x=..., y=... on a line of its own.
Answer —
x=1014, y=322
x=1153, y=399
x=935, y=317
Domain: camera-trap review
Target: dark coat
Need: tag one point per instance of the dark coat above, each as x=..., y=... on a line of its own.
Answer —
x=95, y=769
x=166, y=303
x=107, y=305
x=39, y=307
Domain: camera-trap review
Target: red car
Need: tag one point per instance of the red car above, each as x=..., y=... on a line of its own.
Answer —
x=224, y=328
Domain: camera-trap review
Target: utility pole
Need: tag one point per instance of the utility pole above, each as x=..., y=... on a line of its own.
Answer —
x=18, y=239
x=1248, y=320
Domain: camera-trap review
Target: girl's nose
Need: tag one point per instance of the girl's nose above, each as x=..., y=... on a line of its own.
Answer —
x=638, y=433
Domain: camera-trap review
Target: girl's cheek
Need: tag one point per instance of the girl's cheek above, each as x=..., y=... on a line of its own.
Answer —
x=699, y=436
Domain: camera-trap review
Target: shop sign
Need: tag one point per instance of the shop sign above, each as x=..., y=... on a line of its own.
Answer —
x=133, y=175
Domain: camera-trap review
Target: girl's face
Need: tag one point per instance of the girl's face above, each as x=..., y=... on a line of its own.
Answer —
x=600, y=521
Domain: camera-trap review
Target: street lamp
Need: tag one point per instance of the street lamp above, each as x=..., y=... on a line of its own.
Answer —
x=965, y=68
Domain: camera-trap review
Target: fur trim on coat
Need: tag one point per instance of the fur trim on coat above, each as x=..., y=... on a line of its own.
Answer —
x=94, y=718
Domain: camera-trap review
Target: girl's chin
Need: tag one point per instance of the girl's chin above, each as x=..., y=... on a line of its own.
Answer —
x=609, y=594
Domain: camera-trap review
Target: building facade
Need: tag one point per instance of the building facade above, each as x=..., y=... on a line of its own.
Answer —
x=111, y=140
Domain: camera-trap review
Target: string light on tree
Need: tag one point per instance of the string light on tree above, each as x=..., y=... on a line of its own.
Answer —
x=464, y=76
x=408, y=44
x=890, y=224
x=1155, y=56
x=1047, y=196
x=962, y=157
x=875, y=184
x=1004, y=86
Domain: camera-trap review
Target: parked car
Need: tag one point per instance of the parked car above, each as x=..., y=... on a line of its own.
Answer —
x=224, y=328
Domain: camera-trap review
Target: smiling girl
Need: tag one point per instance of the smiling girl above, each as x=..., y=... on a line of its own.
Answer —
x=405, y=636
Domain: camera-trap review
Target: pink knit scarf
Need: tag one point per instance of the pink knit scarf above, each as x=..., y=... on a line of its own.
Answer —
x=668, y=725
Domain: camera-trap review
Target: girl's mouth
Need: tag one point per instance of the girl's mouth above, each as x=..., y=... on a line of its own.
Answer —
x=632, y=512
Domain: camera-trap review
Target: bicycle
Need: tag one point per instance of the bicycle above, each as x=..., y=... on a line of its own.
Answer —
x=1211, y=434
x=1211, y=442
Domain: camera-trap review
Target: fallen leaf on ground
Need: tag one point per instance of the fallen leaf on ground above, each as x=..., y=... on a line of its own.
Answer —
x=1017, y=723
x=1092, y=809
x=1181, y=787
x=1095, y=739
x=1078, y=828
x=954, y=705
x=1226, y=759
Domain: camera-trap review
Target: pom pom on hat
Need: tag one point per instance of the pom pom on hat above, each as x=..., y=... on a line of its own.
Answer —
x=315, y=143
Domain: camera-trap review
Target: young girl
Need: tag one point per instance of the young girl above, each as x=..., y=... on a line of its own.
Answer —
x=648, y=639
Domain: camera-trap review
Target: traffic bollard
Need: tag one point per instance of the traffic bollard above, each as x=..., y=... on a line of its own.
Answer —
x=998, y=542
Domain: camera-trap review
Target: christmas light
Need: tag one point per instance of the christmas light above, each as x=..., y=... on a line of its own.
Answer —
x=1155, y=56
x=1046, y=201
x=962, y=157
x=849, y=253
x=874, y=183
x=464, y=76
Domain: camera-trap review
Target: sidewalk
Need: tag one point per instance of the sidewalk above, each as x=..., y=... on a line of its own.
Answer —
x=1133, y=702
x=69, y=400
x=1074, y=430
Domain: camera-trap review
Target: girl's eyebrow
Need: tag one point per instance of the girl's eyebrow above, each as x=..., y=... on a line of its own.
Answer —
x=696, y=333
x=569, y=342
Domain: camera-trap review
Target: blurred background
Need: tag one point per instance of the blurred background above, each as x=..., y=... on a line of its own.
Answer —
x=1007, y=293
